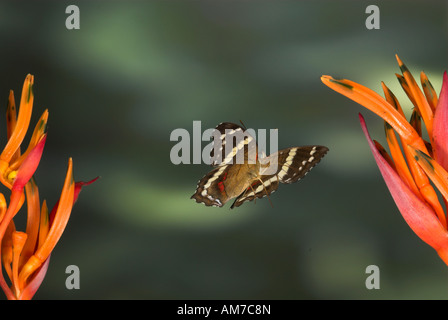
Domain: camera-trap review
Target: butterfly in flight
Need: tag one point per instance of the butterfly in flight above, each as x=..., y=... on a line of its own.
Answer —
x=251, y=177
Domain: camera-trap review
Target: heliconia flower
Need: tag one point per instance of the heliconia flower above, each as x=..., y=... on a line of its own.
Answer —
x=25, y=255
x=409, y=170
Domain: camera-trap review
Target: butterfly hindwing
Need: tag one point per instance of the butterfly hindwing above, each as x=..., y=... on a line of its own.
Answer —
x=222, y=183
x=258, y=189
x=208, y=191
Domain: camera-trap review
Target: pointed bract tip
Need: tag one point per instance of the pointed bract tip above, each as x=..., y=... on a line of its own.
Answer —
x=80, y=184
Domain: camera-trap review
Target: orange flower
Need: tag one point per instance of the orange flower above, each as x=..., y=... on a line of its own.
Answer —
x=25, y=255
x=408, y=174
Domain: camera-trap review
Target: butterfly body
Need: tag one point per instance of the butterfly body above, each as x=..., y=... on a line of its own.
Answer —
x=254, y=178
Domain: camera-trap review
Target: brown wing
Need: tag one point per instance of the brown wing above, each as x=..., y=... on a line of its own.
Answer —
x=292, y=164
x=234, y=146
x=223, y=183
x=208, y=191
x=288, y=166
x=258, y=189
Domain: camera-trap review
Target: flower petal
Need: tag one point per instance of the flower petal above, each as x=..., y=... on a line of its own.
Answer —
x=29, y=165
x=36, y=281
x=418, y=97
x=440, y=130
x=400, y=163
x=39, y=132
x=418, y=215
x=11, y=120
x=32, y=221
x=57, y=228
x=44, y=225
x=377, y=104
x=18, y=241
x=23, y=120
x=428, y=89
x=404, y=85
x=437, y=174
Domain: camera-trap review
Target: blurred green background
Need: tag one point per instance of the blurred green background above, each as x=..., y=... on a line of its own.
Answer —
x=136, y=70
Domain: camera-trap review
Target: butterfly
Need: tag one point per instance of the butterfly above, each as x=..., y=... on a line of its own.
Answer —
x=251, y=177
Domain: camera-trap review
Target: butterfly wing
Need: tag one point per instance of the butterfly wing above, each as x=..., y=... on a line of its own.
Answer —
x=258, y=189
x=234, y=145
x=222, y=184
x=208, y=190
x=235, y=157
x=290, y=165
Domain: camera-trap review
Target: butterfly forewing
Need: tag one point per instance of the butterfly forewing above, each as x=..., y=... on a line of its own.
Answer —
x=234, y=146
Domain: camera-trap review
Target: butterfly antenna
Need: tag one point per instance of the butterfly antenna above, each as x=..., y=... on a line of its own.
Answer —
x=265, y=190
x=245, y=128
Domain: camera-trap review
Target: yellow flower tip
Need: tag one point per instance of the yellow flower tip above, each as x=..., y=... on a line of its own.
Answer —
x=12, y=175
